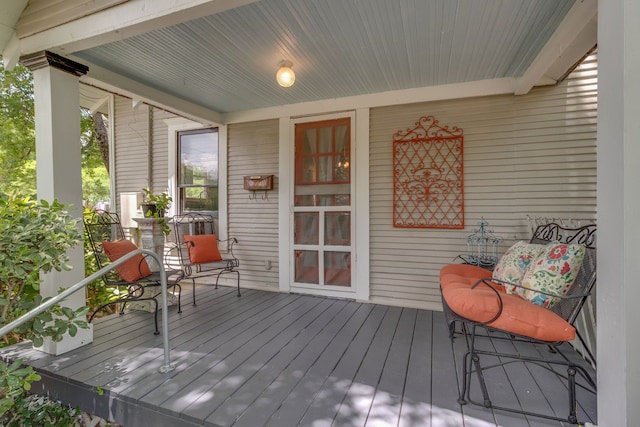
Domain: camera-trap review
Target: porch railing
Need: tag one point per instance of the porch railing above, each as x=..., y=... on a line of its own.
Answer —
x=167, y=366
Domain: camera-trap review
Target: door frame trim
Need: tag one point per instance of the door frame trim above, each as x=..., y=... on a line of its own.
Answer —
x=360, y=201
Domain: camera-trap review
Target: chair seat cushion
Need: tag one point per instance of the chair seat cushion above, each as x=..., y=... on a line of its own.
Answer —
x=482, y=304
x=203, y=248
x=135, y=269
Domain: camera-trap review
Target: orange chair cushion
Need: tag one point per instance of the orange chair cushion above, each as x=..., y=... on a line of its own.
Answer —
x=468, y=273
x=482, y=304
x=202, y=248
x=134, y=269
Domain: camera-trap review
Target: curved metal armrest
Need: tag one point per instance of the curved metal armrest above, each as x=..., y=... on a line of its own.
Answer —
x=233, y=241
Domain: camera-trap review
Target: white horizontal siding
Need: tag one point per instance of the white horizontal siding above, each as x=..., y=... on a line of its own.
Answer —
x=160, y=149
x=253, y=150
x=131, y=130
x=533, y=154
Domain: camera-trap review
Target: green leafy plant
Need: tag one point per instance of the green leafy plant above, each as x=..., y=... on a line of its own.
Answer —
x=14, y=381
x=34, y=410
x=34, y=238
x=155, y=205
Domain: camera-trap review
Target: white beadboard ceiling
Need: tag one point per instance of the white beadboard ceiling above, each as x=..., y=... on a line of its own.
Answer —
x=227, y=62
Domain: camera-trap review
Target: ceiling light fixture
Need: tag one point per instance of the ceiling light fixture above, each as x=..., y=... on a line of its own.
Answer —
x=285, y=75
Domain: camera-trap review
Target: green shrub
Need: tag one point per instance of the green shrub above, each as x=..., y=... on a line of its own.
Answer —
x=34, y=237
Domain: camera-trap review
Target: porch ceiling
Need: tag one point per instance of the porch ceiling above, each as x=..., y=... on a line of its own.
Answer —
x=225, y=62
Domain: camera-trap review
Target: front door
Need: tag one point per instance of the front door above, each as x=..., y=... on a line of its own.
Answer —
x=323, y=243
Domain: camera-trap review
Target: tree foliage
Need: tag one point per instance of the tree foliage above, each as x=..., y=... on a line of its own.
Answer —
x=17, y=131
x=18, y=143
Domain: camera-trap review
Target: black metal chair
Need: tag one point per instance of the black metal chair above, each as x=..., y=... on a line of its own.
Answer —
x=134, y=279
x=481, y=357
x=197, y=250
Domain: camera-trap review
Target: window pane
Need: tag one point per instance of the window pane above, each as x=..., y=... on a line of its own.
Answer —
x=309, y=170
x=324, y=170
x=322, y=195
x=306, y=267
x=325, y=140
x=337, y=228
x=306, y=228
x=309, y=146
x=342, y=200
x=337, y=268
x=198, y=153
x=342, y=168
x=195, y=199
x=198, y=170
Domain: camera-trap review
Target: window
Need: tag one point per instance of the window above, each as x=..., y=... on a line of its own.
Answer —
x=198, y=170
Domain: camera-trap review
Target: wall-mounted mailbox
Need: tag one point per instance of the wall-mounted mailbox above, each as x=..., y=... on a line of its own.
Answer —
x=258, y=182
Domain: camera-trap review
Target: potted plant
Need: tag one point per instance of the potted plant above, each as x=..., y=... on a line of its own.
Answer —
x=155, y=205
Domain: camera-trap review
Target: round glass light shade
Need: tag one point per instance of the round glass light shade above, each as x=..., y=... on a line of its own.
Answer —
x=285, y=75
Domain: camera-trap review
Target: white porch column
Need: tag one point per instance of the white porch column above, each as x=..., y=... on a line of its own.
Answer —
x=618, y=288
x=58, y=166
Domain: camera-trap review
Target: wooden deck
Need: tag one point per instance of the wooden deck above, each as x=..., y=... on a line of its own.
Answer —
x=283, y=360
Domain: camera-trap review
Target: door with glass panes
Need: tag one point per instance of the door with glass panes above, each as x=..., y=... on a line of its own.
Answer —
x=322, y=212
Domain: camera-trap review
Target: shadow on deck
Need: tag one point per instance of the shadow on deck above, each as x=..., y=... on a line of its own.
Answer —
x=283, y=360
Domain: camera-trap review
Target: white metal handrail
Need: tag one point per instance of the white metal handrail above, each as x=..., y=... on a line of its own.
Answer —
x=167, y=366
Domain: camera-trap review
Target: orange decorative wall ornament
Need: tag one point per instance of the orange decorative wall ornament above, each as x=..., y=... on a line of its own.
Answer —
x=428, y=186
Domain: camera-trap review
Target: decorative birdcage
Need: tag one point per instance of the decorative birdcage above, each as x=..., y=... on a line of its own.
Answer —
x=482, y=246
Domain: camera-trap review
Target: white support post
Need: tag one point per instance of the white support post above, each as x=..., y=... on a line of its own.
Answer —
x=58, y=168
x=618, y=292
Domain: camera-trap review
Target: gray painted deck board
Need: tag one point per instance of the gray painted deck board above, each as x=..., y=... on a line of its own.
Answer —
x=289, y=396
x=286, y=360
x=286, y=344
x=330, y=396
x=287, y=367
x=357, y=402
x=386, y=404
x=415, y=408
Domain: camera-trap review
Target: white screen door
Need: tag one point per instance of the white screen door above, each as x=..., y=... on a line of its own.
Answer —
x=323, y=244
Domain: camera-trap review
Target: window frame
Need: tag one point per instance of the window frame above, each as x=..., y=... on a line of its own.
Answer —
x=180, y=124
x=181, y=188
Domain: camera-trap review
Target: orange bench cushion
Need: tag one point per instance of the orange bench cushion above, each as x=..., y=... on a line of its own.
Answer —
x=482, y=304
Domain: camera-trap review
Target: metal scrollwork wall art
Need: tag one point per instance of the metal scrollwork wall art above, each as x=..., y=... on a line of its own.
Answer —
x=428, y=176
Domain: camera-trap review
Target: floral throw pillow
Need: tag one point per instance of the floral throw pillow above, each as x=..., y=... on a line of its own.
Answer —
x=553, y=271
x=512, y=265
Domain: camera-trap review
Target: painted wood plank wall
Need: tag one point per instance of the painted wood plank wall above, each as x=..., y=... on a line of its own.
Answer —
x=160, y=149
x=253, y=150
x=131, y=130
x=40, y=15
x=533, y=154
